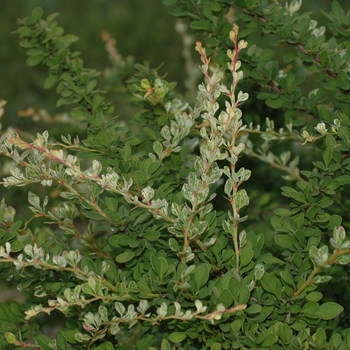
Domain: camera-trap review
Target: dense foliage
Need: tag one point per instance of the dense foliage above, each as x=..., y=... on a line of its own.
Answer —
x=152, y=233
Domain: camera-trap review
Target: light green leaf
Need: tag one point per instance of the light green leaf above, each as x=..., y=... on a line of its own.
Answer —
x=105, y=346
x=177, y=337
x=34, y=60
x=329, y=310
x=165, y=345
x=37, y=14
x=314, y=296
x=125, y=257
x=10, y=337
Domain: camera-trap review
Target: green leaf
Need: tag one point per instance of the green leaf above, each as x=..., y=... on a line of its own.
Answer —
x=314, y=296
x=282, y=212
x=338, y=11
x=246, y=255
x=201, y=25
x=275, y=103
x=287, y=277
x=10, y=337
x=34, y=60
x=106, y=346
x=226, y=298
x=151, y=133
x=201, y=275
x=165, y=344
x=285, y=333
x=37, y=14
x=69, y=335
x=243, y=295
x=269, y=341
x=44, y=341
x=284, y=241
x=125, y=257
x=34, y=52
x=78, y=114
x=335, y=341
x=177, y=337
x=290, y=82
x=216, y=346
x=151, y=236
x=145, y=342
x=16, y=246
x=50, y=81
x=272, y=284
x=92, y=214
x=291, y=192
x=327, y=156
x=289, y=57
x=61, y=341
x=253, y=309
x=268, y=258
x=310, y=308
x=159, y=265
x=329, y=310
x=70, y=38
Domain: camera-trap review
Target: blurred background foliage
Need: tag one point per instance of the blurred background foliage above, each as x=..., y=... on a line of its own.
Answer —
x=143, y=29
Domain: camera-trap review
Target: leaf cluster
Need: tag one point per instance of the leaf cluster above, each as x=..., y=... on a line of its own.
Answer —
x=139, y=246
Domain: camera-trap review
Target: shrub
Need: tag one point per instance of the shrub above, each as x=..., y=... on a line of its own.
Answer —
x=137, y=252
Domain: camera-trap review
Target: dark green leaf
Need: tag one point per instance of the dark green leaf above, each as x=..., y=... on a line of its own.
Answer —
x=69, y=335
x=151, y=236
x=272, y=284
x=145, y=342
x=201, y=275
x=226, y=298
x=92, y=214
x=44, y=341
x=286, y=276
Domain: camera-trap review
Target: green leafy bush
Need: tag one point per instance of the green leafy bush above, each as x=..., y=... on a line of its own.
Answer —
x=154, y=242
